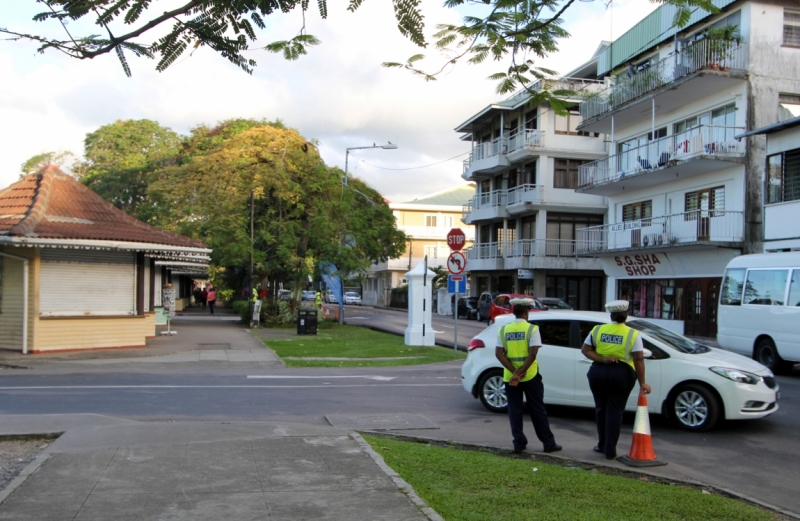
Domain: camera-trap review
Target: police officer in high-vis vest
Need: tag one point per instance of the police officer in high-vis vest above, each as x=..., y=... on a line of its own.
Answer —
x=517, y=346
x=618, y=356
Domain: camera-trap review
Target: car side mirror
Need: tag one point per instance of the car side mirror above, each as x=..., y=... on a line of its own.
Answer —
x=648, y=355
x=545, y=308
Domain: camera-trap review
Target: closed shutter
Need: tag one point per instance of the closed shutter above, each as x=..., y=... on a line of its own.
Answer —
x=87, y=283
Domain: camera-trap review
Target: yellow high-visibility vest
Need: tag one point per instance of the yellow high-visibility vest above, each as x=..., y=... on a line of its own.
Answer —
x=615, y=340
x=515, y=339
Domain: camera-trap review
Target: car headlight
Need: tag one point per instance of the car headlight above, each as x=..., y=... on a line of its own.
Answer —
x=737, y=375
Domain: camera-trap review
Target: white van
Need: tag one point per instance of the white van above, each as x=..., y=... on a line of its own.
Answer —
x=759, y=308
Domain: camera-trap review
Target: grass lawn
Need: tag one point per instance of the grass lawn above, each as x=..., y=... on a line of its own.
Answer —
x=473, y=485
x=356, y=342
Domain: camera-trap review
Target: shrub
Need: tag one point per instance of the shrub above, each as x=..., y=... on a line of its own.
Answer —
x=242, y=308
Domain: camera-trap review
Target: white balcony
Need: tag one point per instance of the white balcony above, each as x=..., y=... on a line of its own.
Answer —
x=697, y=70
x=713, y=227
x=521, y=199
x=487, y=158
x=432, y=232
x=525, y=143
x=485, y=206
x=528, y=254
x=699, y=150
x=403, y=263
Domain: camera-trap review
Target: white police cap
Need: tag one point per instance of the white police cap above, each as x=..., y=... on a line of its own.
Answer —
x=519, y=301
x=617, y=305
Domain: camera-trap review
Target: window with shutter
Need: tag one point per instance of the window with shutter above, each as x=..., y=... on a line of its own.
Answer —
x=701, y=202
x=636, y=211
x=565, y=174
x=791, y=28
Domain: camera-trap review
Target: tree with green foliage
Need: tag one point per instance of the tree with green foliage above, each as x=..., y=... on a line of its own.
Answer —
x=513, y=31
x=64, y=160
x=120, y=159
x=301, y=208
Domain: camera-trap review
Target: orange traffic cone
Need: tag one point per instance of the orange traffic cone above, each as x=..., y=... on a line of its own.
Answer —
x=641, y=454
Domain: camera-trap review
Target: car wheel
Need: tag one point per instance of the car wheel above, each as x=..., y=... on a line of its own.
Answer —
x=492, y=392
x=478, y=317
x=694, y=408
x=767, y=354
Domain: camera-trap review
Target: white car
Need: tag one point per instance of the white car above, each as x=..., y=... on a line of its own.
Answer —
x=692, y=384
x=351, y=297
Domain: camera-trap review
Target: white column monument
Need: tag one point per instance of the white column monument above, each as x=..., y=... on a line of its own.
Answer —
x=420, y=331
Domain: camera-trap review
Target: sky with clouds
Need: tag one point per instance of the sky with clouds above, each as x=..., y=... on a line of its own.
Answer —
x=338, y=94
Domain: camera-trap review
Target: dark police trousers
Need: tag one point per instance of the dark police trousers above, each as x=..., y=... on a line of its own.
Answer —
x=611, y=385
x=533, y=390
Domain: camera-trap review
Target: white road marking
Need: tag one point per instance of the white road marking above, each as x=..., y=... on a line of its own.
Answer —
x=286, y=377
x=101, y=387
x=356, y=318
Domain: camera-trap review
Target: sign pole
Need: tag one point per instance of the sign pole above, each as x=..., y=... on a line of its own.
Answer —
x=455, y=328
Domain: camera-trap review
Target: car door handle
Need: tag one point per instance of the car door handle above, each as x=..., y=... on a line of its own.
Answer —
x=585, y=361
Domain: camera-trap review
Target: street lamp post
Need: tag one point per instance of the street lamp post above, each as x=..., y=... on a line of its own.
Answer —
x=389, y=146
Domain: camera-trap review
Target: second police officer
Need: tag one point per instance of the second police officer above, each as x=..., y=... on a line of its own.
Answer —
x=617, y=354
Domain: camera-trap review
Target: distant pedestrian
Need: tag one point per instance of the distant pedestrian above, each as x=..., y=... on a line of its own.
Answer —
x=198, y=295
x=211, y=298
x=318, y=301
x=204, y=297
x=518, y=344
x=611, y=382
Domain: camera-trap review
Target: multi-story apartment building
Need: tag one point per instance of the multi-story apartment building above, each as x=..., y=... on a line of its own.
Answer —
x=685, y=196
x=782, y=182
x=524, y=161
x=426, y=222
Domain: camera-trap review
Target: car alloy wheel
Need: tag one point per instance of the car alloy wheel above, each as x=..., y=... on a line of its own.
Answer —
x=492, y=391
x=695, y=408
x=478, y=317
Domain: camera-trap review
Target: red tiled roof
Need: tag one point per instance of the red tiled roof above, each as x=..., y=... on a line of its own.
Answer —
x=52, y=205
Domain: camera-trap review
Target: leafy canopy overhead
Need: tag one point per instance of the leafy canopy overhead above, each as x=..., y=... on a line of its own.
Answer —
x=515, y=32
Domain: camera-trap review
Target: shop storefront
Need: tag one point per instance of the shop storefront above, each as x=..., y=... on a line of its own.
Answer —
x=681, y=287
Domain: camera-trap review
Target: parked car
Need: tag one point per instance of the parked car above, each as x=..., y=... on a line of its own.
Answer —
x=284, y=294
x=351, y=297
x=501, y=305
x=330, y=298
x=692, y=384
x=468, y=307
x=484, y=303
x=309, y=295
x=554, y=303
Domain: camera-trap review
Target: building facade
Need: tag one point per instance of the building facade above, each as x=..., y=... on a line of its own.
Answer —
x=425, y=221
x=524, y=161
x=685, y=196
x=78, y=273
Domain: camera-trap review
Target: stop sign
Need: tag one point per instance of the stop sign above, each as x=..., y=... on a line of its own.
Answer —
x=456, y=239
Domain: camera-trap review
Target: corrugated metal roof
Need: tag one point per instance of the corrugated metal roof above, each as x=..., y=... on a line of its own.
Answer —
x=655, y=28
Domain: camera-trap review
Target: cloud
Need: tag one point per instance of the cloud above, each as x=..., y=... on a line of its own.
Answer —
x=338, y=94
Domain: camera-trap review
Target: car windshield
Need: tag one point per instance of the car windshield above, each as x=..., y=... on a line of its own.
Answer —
x=679, y=342
x=556, y=304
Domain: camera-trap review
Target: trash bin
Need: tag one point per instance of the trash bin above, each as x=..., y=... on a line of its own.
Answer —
x=306, y=321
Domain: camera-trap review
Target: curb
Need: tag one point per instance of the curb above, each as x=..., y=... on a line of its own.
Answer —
x=404, y=487
x=457, y=444
x=29, y=469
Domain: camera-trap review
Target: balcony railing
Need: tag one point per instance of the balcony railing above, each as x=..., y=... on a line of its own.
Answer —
x=708, y=53
x=710, y=140
x=486, y=150
x=491, y=199
x=697, y=226
x=525, y=194
x=523, y=248
x=525, y=139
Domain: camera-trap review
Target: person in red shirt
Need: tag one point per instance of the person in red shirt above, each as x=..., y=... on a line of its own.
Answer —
x=204, y=297
x=212, y=298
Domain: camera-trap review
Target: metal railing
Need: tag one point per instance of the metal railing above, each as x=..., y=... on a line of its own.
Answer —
x=664, y=231
x=525, y=138
x=485, y=150
x=525, y=194
x=430, y=232
x=711, y=140
x=491, y=199
x=523, y=248
x=712, y=54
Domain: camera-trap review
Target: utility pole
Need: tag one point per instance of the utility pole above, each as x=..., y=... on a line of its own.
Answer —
x=252, y=246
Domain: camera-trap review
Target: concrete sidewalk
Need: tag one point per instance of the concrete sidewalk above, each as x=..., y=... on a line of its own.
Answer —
x=202, y=341
x=117, y=470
